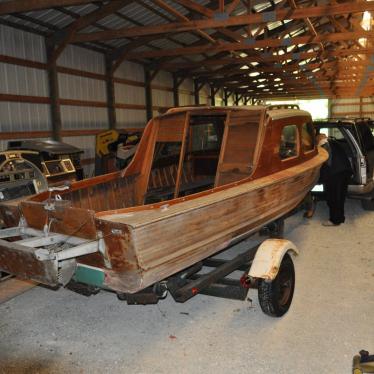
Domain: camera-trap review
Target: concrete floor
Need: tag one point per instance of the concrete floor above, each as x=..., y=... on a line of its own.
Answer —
x=331, y=318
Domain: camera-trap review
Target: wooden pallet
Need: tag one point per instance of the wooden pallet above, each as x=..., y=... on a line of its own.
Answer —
x=12, y=287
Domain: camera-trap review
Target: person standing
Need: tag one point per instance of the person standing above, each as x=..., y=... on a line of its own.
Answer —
x=335, y=175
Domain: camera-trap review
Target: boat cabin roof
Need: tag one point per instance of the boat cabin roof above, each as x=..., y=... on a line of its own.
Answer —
x=274, y=114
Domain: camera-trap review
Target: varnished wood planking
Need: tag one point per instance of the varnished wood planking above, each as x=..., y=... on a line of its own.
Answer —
x=145, y=244
x=182, y=231
x=69, y=221
x=147, y=214
x=207, y=247
x=165, y=245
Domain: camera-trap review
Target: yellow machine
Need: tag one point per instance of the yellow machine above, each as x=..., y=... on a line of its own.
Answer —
x=363, y=363
x=114, y=150
x=104, y=140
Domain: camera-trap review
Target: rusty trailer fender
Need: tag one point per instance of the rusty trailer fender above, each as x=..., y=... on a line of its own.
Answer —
x=269, y=257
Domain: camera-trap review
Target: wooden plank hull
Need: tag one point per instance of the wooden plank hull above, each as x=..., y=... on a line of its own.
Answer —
x=164, y=241
x=261, y=165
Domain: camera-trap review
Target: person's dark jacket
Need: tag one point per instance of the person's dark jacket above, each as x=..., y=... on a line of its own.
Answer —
x=337, y=162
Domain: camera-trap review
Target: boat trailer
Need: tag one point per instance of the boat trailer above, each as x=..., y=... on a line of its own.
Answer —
x=275, y=281
x=51, y=258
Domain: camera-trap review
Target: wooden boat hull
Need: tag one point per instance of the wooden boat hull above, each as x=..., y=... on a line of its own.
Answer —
x=201, y=201
x=152, y=245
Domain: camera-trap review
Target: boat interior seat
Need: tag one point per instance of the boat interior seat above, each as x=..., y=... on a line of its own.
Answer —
x=162, y=182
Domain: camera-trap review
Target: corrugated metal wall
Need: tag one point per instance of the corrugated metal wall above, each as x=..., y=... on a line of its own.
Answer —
x=21, y=80
x=127, y=93
x=353, y=107
x=204, y=95
x=186, y=93
x=163, y=97
x=24, y=92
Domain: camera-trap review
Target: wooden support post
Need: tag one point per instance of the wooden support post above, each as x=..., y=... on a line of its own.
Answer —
x=330, y=113
x=175, y=90
x=110, y=92
x=225, y=97
x=148, y=93
x=236, y=99
x=196, y=92
x=212, y=96
x=54, y=94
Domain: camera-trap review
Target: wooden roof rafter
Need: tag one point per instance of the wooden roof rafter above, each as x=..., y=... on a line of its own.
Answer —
x=277, y=15
x=223, y=41
x=61, y=38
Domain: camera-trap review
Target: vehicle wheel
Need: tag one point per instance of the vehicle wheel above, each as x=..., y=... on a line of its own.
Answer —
x=368, y=204
x=275, y=297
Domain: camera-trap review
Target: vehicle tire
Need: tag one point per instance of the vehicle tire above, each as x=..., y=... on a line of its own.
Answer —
x=275, y=297
x=367, y=204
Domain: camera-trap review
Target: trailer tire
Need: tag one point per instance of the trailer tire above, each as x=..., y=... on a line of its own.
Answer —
x=368, y=204
x=275, y=297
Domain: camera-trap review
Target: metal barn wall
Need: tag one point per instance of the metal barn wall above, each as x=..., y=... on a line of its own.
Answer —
x=22, y=81
x=162, y=90
x=204, y=95
x=25, y=102
x=88, y=93
x=353, y=107
x=186, y=96
x=218, y=97
x=129, y=92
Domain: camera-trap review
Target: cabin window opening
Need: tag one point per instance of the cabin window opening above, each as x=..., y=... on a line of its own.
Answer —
x=238, y=155
x=203, y=145
x=288, y=144
x=307, y=137
x=333, y=133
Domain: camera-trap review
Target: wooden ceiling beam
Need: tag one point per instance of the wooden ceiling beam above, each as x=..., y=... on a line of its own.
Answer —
x=183, y=18
x=241, y=20
x=266, y=43
x=232, y=6
x=22, y=6
x=238, y=79
x=259, y=57
x=265, y=57
x=289, y=82
x=61, y=38
x=120, y=54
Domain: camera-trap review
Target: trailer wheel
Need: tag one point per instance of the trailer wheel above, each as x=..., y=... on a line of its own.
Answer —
x=275, y=297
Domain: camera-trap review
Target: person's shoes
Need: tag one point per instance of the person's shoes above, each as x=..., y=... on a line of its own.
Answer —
x=329, y=223
x=310, y=212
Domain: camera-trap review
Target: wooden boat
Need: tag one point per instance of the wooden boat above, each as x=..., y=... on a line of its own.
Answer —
x=201, y=178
